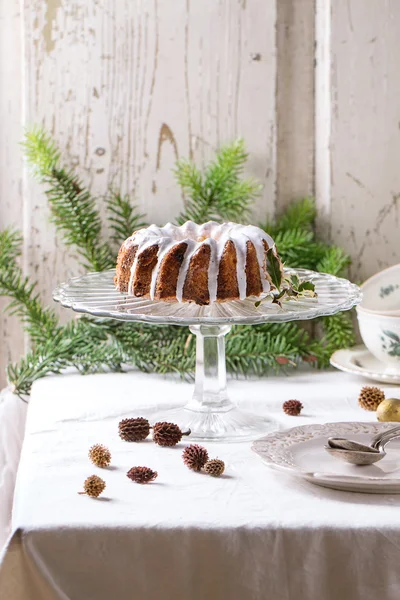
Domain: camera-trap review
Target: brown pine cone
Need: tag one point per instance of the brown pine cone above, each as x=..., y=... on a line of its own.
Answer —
x=100, y=455
x=134, y=430
x=93, y=486
x=370, y=397
x=195, y=457
x=214, y=467
x=292, y=407
x=167, y=434
x=141, y=474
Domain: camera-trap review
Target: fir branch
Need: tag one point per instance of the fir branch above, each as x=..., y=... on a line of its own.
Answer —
x=190, y=178
x=220, y=192
x=122, y=217
x=298, y=215
x=338, y=330
x=73, y=209
x=333, y=261
x=10, y=247
x=33, y=366
x=231, y=194
x=159, y=349
x=41, y=153
x=95, y=345
x=38, y=321
x=260, y=348
x=80, y=344
x=299, y=249
x=298, y=245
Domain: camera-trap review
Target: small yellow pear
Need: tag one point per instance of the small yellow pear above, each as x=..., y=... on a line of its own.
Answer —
x=388, y=410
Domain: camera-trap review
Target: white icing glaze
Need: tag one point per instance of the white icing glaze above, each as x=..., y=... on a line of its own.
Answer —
x=213, y=234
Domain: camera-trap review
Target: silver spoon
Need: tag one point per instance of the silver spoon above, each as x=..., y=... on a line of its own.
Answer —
x=368, y=456
x=345, y=444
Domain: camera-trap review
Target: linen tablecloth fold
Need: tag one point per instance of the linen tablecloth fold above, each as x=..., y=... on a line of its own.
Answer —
x=12, y=424
x=241, y=564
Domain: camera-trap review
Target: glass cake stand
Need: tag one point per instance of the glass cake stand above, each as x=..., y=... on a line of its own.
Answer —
x=210, y=414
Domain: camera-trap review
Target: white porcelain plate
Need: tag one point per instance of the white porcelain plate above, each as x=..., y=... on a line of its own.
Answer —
x=360, y=361
x=300, y=452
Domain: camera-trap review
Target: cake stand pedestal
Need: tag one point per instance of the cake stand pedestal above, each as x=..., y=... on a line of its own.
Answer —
x=210, y=414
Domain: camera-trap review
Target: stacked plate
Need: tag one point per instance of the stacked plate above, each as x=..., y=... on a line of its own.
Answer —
x=300, y=452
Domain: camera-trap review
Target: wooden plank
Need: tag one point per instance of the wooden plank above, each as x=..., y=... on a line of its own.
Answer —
x=127, y=87
x=323, y=117
x=11, y=336
x=295, y=100
x=365, y=132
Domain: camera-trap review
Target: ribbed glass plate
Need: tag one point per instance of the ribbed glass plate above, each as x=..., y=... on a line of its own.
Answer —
x=95, y=294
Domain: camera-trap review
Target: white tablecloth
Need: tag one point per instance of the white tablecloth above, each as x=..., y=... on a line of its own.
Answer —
x=12, y=424
x=253, y=534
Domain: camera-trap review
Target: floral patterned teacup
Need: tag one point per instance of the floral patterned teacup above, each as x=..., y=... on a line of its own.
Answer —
x=381, y=335
x=381, y=292
x=379, y=317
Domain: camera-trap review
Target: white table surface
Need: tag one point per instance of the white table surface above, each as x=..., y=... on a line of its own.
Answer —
x=12, y=426
x=252, y=534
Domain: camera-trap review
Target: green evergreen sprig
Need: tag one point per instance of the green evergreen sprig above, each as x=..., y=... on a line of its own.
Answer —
x=72, y=206
x=123, y=218
x=297, y=216
x=78, y=344
x=38, y=321
x=90, y=345
x=10, y=247
x=220, y=192
x=334, y=261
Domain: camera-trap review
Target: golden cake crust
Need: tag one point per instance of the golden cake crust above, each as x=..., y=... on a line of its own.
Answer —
x=203, y=264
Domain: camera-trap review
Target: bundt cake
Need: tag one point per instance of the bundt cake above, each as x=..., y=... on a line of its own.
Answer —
x=206, y=263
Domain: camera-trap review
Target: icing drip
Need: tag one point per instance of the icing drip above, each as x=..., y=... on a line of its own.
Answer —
x=190, y=251
x=213, y=269
x=213, y=234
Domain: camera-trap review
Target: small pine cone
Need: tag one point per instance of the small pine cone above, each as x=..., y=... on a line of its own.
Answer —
x=370, y=397
x=134, y=430
x=214, y=467
x=195, y=457
x=292, y=407
x=141, y=474
x=100, y=455
x=93, y=486
x=168, y=434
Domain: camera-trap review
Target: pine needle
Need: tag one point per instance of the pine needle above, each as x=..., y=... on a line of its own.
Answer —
x=333, y=261
x=220, y=193
x=10, y=246
x=73, y=209
x=299, y=215
x=38, y=321
x=123, y=218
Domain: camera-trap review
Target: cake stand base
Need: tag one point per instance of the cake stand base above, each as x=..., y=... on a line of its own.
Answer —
x=233, y=425
x=211, y=415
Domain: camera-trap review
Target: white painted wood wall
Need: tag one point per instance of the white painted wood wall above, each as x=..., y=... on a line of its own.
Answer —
x=127, y=86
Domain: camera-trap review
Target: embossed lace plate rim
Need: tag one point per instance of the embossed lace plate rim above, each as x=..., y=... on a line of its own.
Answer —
x=275, y=451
